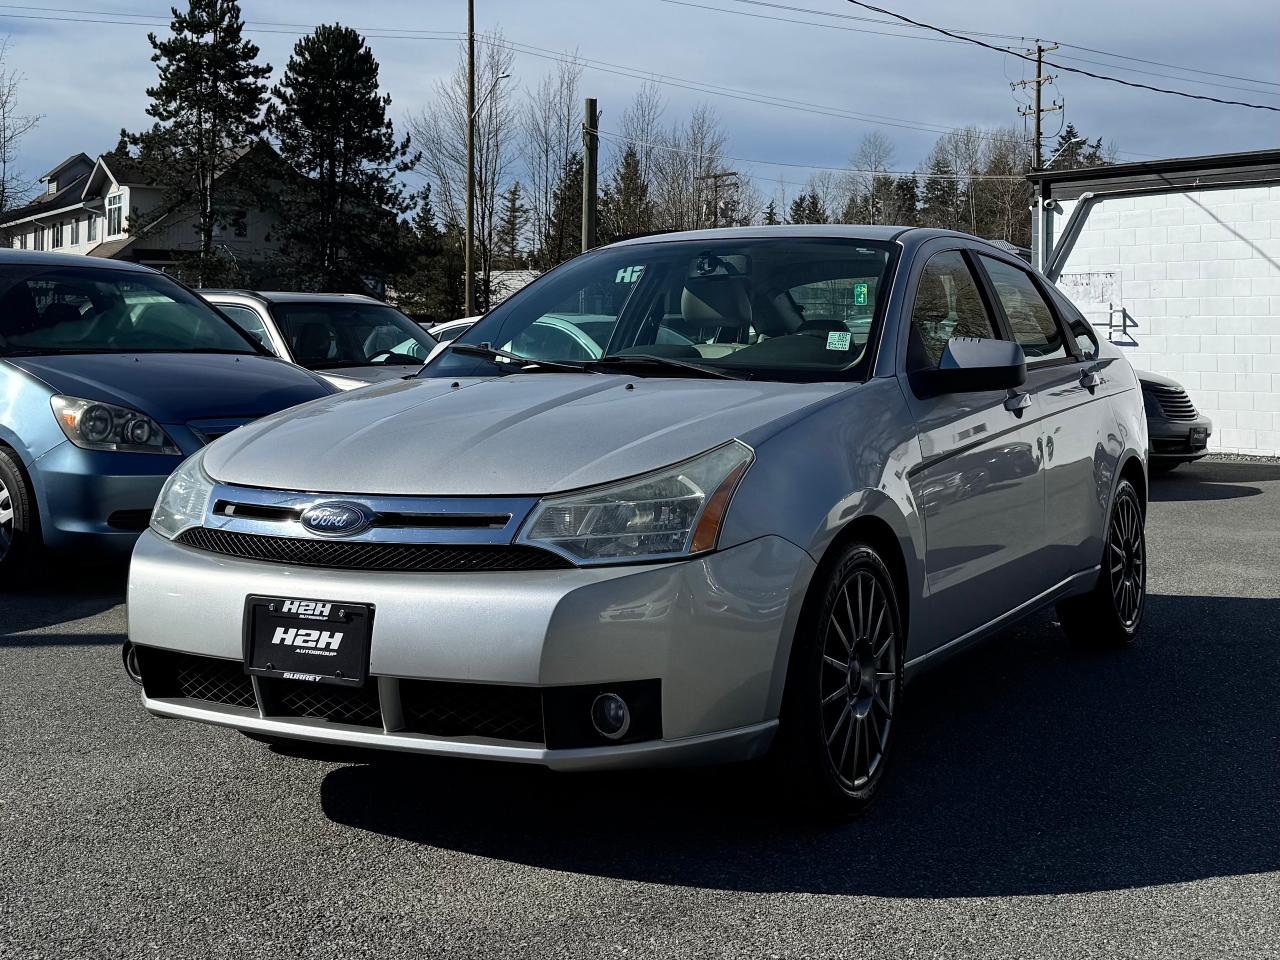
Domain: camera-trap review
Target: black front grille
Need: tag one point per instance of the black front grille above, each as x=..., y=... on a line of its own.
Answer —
x=169, y=674
x=1175, y=404
x=299, y=698
x=348, y=555
x=443, y=709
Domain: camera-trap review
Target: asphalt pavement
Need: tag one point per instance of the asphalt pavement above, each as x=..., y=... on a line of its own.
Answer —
x=1046, y=802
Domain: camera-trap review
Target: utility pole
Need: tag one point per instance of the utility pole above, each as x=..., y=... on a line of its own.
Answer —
x=1036, y=110
x=469, y=296
x=590, y=172
x=715, y=179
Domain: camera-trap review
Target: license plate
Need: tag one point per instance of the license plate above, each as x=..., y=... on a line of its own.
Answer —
x=1199, y=436
x=320, y=641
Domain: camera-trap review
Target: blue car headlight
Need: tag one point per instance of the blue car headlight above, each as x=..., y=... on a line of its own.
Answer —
x=674, y=512
x=93, y=425
x=183, y=499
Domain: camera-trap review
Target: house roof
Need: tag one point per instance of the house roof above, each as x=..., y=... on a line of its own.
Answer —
x=66, y=163
x=67, y=197
x=1172, y=173
x=112, y=248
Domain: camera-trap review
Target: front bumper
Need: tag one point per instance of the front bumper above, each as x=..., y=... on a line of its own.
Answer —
x=95, y=497
x=1178, y=441
x=715, y=632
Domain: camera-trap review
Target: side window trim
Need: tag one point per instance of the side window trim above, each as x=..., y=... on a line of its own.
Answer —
x=988, y=285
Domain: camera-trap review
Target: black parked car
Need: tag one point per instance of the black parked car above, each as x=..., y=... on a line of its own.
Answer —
x=1179, y=433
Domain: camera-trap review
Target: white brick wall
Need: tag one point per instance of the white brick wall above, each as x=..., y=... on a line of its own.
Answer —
x=1200, y=274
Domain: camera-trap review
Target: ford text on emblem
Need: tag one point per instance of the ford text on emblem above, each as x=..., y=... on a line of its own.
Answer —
x=336, y=519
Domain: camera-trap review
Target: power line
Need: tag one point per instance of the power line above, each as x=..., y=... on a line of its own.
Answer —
x=1007, y=36
x=1061, y=66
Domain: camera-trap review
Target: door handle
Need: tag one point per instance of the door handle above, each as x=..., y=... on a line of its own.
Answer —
x=1017, y=401
x=1090, y=380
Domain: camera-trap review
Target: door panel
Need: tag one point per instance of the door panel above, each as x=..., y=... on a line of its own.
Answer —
x=979, y=485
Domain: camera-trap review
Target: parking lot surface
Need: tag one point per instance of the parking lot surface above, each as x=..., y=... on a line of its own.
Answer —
x=1046, y=802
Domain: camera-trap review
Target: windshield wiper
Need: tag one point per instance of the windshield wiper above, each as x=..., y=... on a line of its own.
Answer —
x=649, y=360
x=493, y=353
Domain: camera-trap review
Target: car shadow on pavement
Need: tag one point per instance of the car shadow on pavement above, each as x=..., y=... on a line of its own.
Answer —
x=1025, y=767
x=59, y=589
x=1213, y=480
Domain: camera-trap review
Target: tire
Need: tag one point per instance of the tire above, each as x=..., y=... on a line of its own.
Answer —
x=1110, y=615
x=19, y=519
x=844, y=684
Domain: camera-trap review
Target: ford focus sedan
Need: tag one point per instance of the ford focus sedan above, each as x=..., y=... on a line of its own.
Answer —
x=806, y=463
x=111, y=374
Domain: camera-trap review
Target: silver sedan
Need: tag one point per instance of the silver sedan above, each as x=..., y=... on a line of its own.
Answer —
x=803, y=464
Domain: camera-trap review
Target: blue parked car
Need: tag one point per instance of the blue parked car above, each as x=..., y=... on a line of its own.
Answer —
x=110, y=375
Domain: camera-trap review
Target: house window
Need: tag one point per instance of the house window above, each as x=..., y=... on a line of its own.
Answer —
x=39, y=238
x=115, y=214
x=93, y=228
x=75, y=232
x=55, y=236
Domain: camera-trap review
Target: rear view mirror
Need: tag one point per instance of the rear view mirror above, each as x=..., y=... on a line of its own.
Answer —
x=973, y=365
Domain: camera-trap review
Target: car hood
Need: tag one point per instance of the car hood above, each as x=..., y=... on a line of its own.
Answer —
x=516, y=435
x=177, y=387
x=1145, y=376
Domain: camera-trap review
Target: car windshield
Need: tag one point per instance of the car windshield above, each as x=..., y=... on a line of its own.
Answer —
x=77, y=309
x=786, y=308
x=323, y=335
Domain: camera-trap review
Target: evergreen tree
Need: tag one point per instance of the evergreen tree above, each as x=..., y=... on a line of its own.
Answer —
x=625, y=207
x=208, y=111
x=905, y=202
x=940, y=199
x=563, y=238
x=340, y=230
x=431, y=286
x=1072, y=155
x=807, y=208
x=771, y=218
x=512, y=225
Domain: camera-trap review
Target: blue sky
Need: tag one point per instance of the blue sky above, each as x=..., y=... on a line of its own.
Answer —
x=89, y=79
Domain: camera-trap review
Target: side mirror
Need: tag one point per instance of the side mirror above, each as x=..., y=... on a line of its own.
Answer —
x=973, y=365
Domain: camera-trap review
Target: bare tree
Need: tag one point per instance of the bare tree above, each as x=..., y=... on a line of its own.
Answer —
x=868, y=187
x=15, y=187
x=641, y=130
x=684, y=197
x=551, y=126
x=440, y=133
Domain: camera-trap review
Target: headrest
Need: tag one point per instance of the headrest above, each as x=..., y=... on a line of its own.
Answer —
x=56, y=314
x=716, y=302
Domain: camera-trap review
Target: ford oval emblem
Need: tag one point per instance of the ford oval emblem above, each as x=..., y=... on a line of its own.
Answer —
x=336, y=519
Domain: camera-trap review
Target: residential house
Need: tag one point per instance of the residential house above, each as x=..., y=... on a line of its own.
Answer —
x=108, y=208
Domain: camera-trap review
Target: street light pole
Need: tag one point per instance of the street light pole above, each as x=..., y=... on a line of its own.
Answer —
x=469, y=254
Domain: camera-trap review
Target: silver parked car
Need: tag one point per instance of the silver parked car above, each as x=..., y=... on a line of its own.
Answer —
x=806, y=463
x=347, y=338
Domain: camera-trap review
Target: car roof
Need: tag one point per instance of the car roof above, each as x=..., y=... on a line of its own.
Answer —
x=74, y=260
x=808, y=231
x=290, y=296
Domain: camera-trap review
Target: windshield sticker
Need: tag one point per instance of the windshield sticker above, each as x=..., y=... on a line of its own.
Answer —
x=629, y=274
x=860, y=294
x=838, y=341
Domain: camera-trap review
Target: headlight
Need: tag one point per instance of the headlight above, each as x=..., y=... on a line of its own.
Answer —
x=183, y=498
x=104, y=426
x=671, y=513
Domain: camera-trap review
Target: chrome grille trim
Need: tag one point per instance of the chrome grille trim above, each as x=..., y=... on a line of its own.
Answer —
x=480, y=521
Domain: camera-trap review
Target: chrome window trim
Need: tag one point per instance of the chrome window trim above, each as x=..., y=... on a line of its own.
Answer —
x=514, y=509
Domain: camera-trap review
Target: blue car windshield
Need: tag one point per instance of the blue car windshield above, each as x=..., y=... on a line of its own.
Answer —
x=77, y=309
x=790, y=308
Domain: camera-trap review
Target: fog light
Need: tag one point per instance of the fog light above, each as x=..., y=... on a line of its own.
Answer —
x=610, y=716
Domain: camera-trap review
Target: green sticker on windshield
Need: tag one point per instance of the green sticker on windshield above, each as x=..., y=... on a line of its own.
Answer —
x=860, y=294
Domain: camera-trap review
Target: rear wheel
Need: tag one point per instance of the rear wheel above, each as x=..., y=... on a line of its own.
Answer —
x=1111, y=613
x=19, y=525
x=843, y=688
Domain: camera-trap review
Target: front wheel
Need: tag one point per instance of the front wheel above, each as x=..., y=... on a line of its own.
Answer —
x=19, y=526
x=843, y=688
x=1111, y=613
